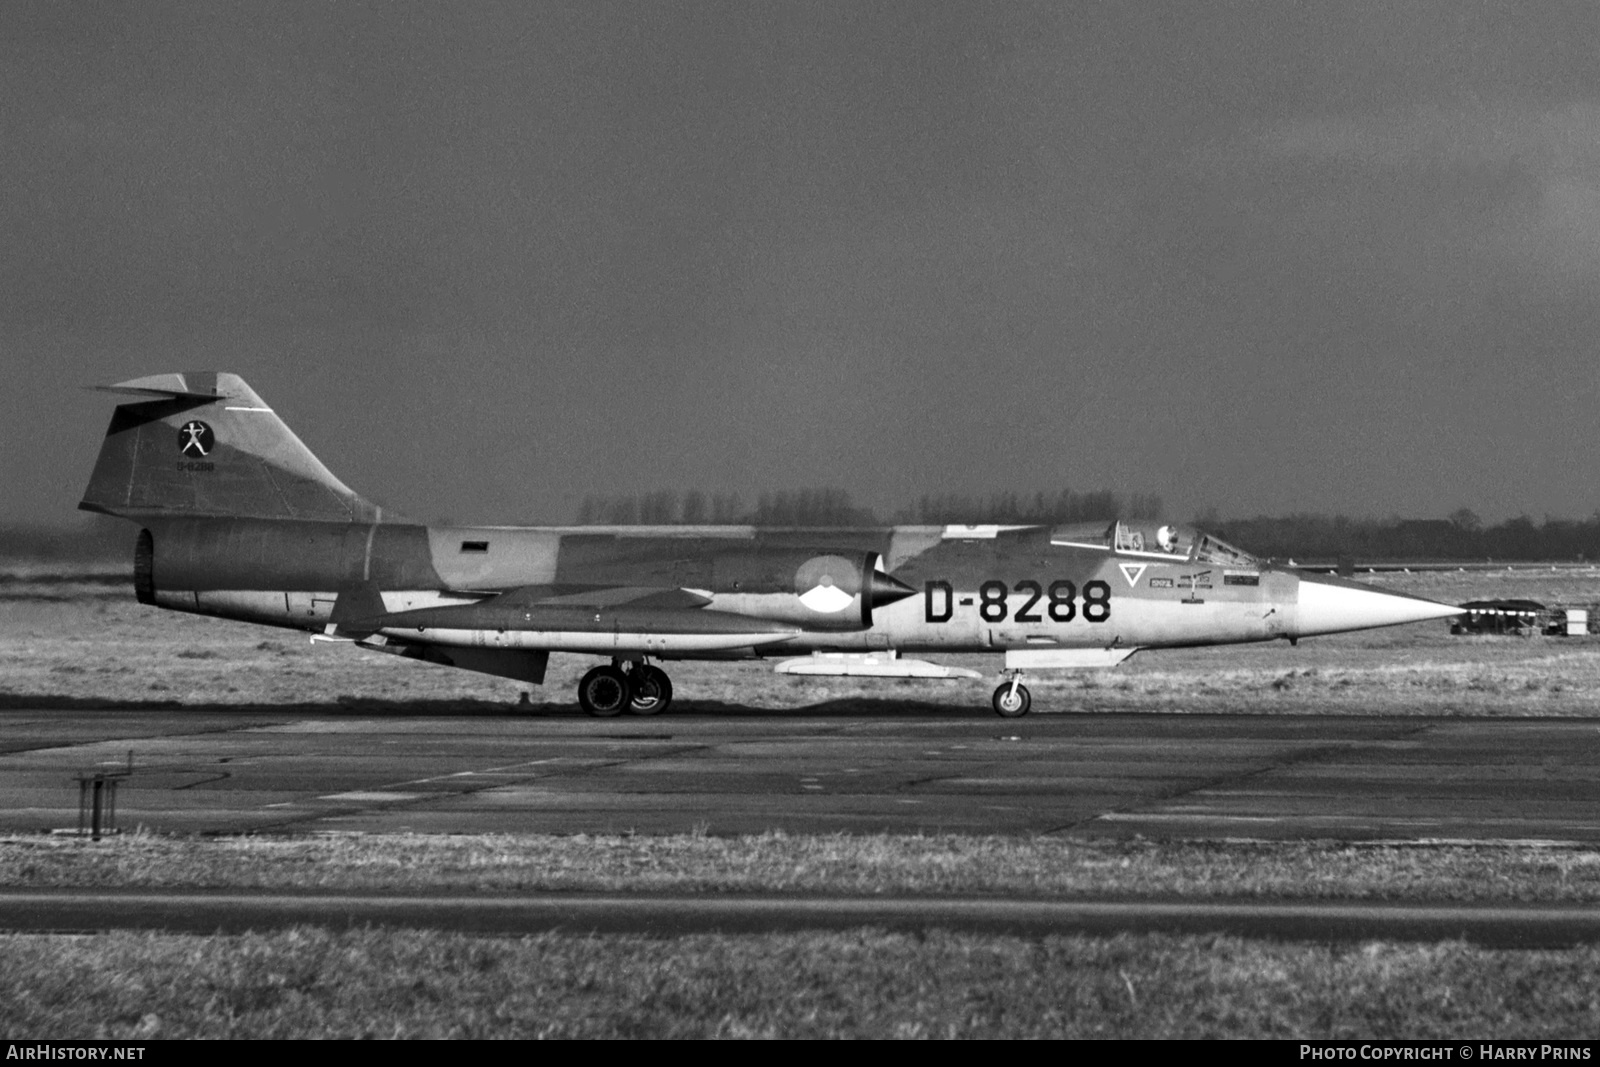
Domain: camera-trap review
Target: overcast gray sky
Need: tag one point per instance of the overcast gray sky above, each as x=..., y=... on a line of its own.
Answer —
x=487, y=259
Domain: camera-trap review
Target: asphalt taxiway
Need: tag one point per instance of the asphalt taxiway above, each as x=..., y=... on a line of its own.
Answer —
x=86, y=911
x=901, y=769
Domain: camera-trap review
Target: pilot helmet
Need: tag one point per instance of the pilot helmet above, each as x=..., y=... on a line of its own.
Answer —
x=1167, y=538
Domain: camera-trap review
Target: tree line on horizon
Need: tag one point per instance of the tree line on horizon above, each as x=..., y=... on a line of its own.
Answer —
x=1460, y=537
x=1301, y=537
x=834, y=507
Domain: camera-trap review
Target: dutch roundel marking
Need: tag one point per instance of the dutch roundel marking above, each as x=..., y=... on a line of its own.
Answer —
x=195, y=438
x=1132, y=571
x=825, y=597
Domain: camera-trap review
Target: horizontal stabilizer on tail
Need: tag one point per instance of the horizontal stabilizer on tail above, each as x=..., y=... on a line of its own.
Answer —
x=176, y=386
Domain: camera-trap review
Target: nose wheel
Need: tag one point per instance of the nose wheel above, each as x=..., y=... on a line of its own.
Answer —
x=610, y=690
x=1012, y=699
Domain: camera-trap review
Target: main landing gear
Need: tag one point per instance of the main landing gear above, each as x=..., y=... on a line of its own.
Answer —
x=1012, y=699
x=637, y=688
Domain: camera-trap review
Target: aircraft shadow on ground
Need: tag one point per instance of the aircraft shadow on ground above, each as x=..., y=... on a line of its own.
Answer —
x=877, y=707
x=329, y=708
x=884, y=707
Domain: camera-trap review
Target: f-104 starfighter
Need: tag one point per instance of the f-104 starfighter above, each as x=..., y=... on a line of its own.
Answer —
x=238, y=519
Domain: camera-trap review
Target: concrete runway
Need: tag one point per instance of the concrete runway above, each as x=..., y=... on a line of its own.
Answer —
x=901, y=769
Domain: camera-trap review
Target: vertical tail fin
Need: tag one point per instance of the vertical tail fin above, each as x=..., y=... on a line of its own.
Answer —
x=203, y=443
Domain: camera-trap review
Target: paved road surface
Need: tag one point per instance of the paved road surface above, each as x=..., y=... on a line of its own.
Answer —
x=658, y=915
x=902, y=770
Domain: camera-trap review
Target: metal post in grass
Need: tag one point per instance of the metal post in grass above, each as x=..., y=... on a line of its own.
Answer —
x=97, y=801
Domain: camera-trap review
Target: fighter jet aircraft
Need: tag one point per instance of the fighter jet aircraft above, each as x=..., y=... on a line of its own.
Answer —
x=238, y=519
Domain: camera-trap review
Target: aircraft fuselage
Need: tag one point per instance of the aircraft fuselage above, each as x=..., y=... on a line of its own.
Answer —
x=971, y=588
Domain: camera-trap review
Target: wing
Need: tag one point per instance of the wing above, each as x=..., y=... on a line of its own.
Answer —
x=599, y=610
x=511, y=634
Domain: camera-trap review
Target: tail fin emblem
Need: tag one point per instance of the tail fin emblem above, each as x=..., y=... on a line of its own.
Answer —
x=195, y=438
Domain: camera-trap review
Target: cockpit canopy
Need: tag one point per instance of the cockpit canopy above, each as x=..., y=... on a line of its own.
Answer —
x=1158, y=539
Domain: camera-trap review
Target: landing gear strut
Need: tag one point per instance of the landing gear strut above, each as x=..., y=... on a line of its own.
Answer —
x=1012, y=699
x=651, y=690
x=610, y=690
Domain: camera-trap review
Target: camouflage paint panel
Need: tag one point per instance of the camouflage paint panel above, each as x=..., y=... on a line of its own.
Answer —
x=649, y=561
x=214, y=554
x=401, y=557
x=908, y=542
x=761, y=564
x=818, y=540
x=781, y=569
x=253, y=554
x=583, y=558
x=491, y=557
x=968, y=562
x=132, y=471
x=670, y=533
x=774, y=577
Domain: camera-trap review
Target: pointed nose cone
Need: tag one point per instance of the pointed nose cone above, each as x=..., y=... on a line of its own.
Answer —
x=1331, y=605
x=882, y=589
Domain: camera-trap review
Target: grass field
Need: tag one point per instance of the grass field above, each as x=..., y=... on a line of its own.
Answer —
x=865, y=983
x=1041, y=867
x=79, y=641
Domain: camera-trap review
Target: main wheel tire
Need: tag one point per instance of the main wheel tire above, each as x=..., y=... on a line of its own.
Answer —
x=651, y=690
x=604, y=692
x=1009, y=704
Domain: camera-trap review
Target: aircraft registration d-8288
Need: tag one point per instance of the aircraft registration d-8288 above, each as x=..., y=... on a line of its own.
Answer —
x=238, y=519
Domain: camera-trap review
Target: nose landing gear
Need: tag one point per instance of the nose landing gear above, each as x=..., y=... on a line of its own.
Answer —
x=637, y=688
x=1012, y=699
